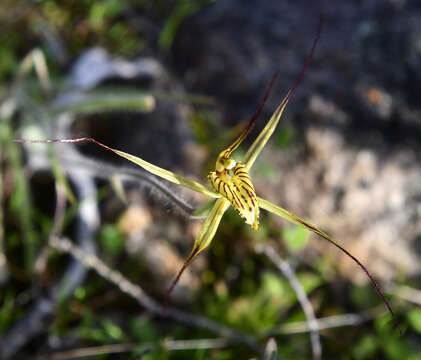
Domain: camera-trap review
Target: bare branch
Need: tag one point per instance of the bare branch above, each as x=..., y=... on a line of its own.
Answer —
x=405, y=292
x=271, y=350
x=136, y=292
x=329, y=322
x=170, y=345
x=285, y=268
x=3, y=267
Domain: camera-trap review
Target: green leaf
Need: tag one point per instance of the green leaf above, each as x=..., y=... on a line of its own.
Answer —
x=144, y=329
x=111, y=239
x=309, y=281
x=296, y=238
x=414, y=319
x=20, y=200
x=6, y=311
x=396, y=348
x=365, y=348
x=102, y=102
x=272, y=286
x=113, y=331
x=183, y=9
x=284, y=137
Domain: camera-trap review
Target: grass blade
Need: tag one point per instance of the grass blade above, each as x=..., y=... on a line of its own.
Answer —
x=86, y=103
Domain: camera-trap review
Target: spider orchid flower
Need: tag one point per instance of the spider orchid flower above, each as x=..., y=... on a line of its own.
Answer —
x=232, y=185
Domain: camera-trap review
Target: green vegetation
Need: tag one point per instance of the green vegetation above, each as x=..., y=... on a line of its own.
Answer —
x=239, y=287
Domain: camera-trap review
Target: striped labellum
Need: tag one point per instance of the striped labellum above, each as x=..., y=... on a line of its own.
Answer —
x=232, y=180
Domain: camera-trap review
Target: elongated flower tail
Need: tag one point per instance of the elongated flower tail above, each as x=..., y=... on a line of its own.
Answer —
x=227, y=152
x=289, y=216
x=261, y=140
x=156, y=170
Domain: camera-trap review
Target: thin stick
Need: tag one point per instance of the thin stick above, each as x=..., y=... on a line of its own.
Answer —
x=328, y=322
x=294, y=218
x=405, y=292
x=2, y=233
x=285, y=268
x=170, y=345
x=136, y=292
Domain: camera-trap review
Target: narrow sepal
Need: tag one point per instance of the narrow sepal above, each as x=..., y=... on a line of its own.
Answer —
x=156, y=170
x=203, y=239
x=167, y=175
x=289, y=216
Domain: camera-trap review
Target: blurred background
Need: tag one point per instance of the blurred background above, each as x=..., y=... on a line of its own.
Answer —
x=173, y=82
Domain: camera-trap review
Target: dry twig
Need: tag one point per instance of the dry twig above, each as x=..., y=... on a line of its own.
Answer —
x=329, y=322
x=285, y=268
x=170, y=345
x=405, y=292
x=136, y=292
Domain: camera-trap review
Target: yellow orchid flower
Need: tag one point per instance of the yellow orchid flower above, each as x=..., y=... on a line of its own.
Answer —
x=232, y=184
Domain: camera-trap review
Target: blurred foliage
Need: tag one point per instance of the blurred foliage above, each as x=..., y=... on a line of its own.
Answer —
x=182, y=10
x=414, y=319
x=284, y=137
x=20, y=204
x=295, y=237
x=239, y=288
x=64, y=28
x=111, y=239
